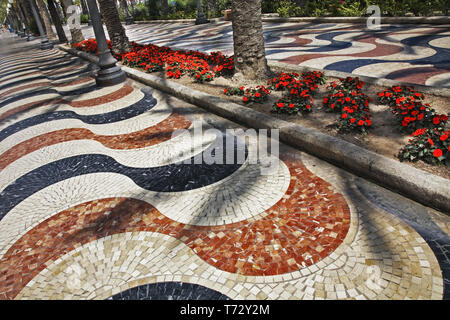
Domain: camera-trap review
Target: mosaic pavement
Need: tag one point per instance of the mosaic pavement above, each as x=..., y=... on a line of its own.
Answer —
x=98, y=201
x=413, y=53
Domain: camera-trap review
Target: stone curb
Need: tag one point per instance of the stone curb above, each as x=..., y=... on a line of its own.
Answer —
x=443, y=92
x=358, y=20
x=426, y=188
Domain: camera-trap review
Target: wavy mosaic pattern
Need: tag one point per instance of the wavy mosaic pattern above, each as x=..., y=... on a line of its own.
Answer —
x=418, y=54
x=96, y=204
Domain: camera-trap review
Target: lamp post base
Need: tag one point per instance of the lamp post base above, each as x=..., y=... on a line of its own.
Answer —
x=201, y=20
x=46, y=45
x=110, y=76
x=128, y=21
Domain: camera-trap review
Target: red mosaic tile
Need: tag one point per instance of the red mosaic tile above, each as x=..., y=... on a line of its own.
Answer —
x=144, y=138
x=283, y=241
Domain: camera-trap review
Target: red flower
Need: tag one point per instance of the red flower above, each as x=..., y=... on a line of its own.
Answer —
x=430, y=142
x=352, y=120
x=360, y=122
x=280, y=105
x=344, y=116
x=245, y=99
x=291, y=105
x=437, y=153
x=443, y=137
x=308, y=106
x=436, y=120
x=225, y=90
x=257, y=94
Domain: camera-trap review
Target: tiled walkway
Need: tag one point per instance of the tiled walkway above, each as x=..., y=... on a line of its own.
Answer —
x=413, y=53
x=94, y=204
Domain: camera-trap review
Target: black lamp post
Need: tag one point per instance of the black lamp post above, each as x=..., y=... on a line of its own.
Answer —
x=109, y=74
x=22, y=19
x=88, y=13
x=128, y=18
x=45, y=44
x=27, y=27
x=200, y=15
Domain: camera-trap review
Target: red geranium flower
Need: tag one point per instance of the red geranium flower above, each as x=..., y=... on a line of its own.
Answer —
x=437, y=153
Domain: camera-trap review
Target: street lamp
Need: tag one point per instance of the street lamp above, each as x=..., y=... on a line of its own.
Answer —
x=45, y=44
x=109, y=74
x=128, y=18
x=19, y=20
x=200, y=15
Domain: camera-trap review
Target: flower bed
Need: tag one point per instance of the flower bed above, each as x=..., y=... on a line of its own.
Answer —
x=430, y=139
x=199, y=66
x=289, y=94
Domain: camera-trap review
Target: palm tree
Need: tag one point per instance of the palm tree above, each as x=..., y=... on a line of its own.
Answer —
x=46, y=19
x=116, y=31
x=249, y=55
x=77, y=35
x=56, y=21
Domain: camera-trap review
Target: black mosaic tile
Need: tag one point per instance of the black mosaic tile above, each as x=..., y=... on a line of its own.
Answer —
x=35, y=93
x=143, y=105
x=168, y=178
x=170, y=291
x=65, y=75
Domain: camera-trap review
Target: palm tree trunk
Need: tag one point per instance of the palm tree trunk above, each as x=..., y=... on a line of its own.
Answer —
x=116, y=31
x=249, y=54
x=25, y=14
x=27, y=11
x=56, y=21
x=77, y=35
x=46, y=19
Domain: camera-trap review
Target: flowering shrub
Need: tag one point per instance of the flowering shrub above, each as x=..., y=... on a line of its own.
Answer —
x=347, y=84
x=355, y=118
x=258, y=94
x=429, y=145
x=202, y=76
x=282, y=80
x=301, y=88
x=293, y=106
x=315, y=77
x=407, y=106
x=398, y=94
x=89, y=45
x=415, y=115
x=234, y=91
x=347, y=99
x=335, y=102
